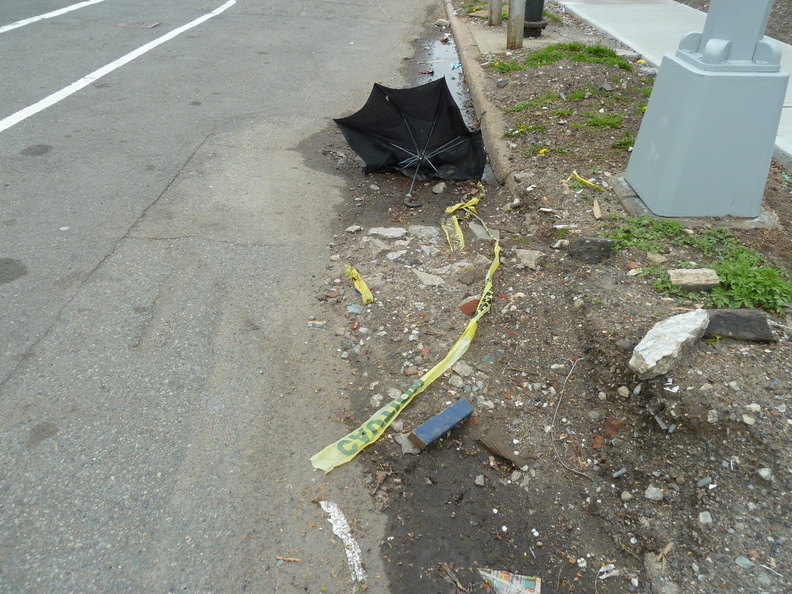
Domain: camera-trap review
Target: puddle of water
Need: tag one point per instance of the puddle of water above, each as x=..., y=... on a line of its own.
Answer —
x=442, y=58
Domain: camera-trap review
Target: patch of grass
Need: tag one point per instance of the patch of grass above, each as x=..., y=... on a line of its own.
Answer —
x=576, y=52
x=646, y=233
x=552, y=17
x=564, y=113
x=603, y=120
x=541, y=148
x=626, y=141
x=524, y=129
x=506, y=66
x=537, y=102
x=585, y=93
x=746, y=278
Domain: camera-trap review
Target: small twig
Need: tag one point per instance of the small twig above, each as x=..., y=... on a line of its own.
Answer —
x=773, y=570
x=289, y=559
x=552, y=424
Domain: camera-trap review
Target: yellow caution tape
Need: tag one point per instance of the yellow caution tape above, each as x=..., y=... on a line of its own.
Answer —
x=360, y=284
x=348, y=447
x=450, y=224
x=584, y=181
x=453, y=233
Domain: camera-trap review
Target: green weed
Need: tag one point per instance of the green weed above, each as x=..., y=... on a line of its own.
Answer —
x=746, y=278
x=576, y=52
x=626, y=141
x=535, y=102
x=603, y=120
x=506, y=66
x=552, y=17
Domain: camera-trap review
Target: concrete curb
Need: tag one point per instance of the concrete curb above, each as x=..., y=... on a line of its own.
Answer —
x=489, y=116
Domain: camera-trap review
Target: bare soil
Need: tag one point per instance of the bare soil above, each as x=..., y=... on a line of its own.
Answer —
x=549, y=370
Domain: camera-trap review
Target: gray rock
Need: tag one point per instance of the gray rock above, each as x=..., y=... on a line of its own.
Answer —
x=463, y=369
x=662, y=346
x=523, y=177
x=479, y=480
x=530, y=258
x=765, y=473
x=744, y=562
x=625, y=345
x=424, y=232
x=591, y=249
x=694, y=279
x=471, y=275
x=653, y=493
x=705, y=517
x=658, y=583
x=481, y=233
x=429, y=280
x=656, y=258
x=741, y=324
x=439, y=188
x=407, y=446
x=389, y=232
x=376, y=400
x=704, y=482
x=482, y=402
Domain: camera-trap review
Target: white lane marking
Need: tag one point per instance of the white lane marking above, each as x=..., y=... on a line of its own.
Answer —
x=23, y=114
x=48, y=15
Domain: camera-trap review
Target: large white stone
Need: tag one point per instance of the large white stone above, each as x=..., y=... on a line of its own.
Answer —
x=660, y=349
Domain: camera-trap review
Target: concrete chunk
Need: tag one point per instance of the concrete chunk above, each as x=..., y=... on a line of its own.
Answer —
x=662, y=346
x=694, y=279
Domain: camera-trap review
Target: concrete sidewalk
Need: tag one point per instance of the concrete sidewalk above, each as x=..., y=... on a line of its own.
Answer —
x=652, y=28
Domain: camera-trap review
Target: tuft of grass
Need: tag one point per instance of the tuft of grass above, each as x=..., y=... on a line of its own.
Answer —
x=535, y=102
x=576, y=52
x=506, y=66
x=552, y=17
x=603, y=120
x=626, y=141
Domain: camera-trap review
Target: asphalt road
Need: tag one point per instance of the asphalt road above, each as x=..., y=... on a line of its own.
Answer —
x=161, y=243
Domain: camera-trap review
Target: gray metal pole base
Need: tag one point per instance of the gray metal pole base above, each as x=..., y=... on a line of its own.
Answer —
x=706, y=141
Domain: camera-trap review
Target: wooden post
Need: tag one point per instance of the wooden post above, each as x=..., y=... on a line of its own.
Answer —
x=516, y=24
x=495, y=12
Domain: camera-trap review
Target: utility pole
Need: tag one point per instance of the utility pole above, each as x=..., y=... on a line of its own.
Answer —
x=516, y=24
x=495, y=12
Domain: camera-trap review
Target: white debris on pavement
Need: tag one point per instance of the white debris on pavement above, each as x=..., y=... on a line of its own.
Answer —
x=342, y=531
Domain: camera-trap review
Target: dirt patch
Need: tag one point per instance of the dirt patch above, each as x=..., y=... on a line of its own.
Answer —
x=695, y=463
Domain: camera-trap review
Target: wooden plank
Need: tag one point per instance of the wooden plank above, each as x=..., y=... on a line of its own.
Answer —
x=441, y=423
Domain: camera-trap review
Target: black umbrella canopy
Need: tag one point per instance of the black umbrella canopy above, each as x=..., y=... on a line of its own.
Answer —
x=416, y=130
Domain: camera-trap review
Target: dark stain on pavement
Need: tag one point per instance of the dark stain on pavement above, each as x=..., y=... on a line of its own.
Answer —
x=36, y=150
x=40, y=432
x=11, y=269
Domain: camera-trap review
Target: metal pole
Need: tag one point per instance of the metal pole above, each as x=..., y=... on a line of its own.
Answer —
x=514, y=28
x=495, y=12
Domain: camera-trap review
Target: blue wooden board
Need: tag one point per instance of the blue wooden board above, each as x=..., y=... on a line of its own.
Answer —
x=439, y=424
